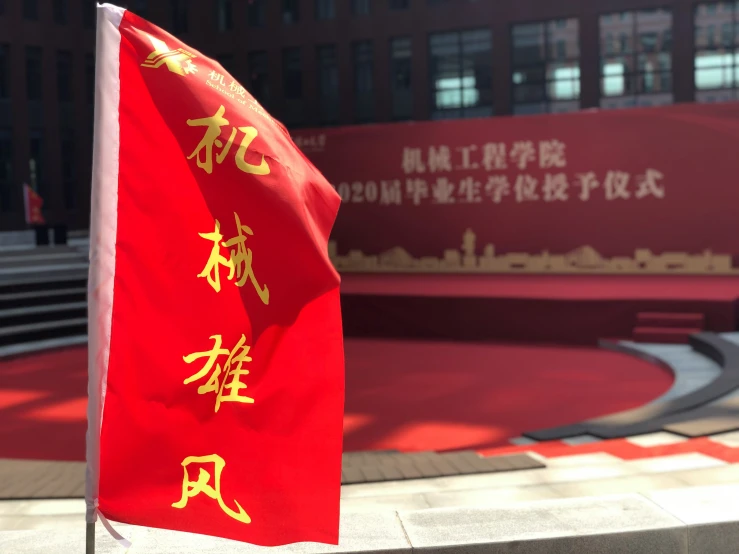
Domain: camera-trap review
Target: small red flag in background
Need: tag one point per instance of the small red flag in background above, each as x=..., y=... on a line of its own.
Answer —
x=216, y=358
x=33, y=203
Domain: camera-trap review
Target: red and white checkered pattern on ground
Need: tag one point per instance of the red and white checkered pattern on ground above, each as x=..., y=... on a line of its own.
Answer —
x=724, y=447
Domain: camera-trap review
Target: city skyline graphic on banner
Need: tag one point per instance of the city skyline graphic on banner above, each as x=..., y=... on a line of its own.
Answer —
x=584, y=259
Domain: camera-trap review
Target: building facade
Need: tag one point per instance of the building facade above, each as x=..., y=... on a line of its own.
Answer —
x=315, y=63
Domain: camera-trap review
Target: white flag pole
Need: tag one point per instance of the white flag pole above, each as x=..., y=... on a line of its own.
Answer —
x=103, y=228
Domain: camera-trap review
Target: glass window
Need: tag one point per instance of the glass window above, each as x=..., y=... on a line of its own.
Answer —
x=399, y=4
x=364, y=91
x=292, y=84
x=36, y=162
x=258, y=76
x=34, y=84
x=60, y=11
x=400, y=78
x=224, y=15
x=361, y=7
x=461, y=74
x=64, y=75
x=325, y=9
x=4, y=71
x=227, y=62
x=90, y=79
x=88, y=13
x=179, y=11
x=140, y=7
x=30, y=9
x=290, y=11
x=546, y=66
x=292, y=73
x=328, y=84
x=6, y=171
x=68, y=177
x=256, y=13
x=637, y=68
x=716, y=51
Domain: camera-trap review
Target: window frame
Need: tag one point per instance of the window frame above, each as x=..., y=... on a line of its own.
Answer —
x=60, y=11
x=180, y=17
x=64, y=57
x=546, y=82
x=636, y=75
x=327, y=16
x=442, y=113
x=7, y=187
x=356, y=13
x=336, y=97
x=5, y=72
x=39, y=86
x=295, y=10
x=257, y=63
x=225, y=8
x=391, y=68
x=261, y=15
x=285, y=55
x=68, y=181
x=359, y=115
x=30, y=11
x=733, y=68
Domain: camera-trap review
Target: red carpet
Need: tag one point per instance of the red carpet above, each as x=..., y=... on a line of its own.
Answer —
x=400, y=395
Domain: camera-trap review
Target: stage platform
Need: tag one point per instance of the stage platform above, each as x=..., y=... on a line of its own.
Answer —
x=568, y=309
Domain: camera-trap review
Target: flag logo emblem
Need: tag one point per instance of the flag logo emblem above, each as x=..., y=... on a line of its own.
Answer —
x=177, y=61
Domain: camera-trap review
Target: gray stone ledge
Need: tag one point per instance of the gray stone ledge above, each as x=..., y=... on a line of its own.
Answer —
x=711, y=514
x=39, y=346
x=682, y=521
x=365, y=533
x=628, y=524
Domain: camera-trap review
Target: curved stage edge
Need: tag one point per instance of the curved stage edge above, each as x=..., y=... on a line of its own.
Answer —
x=564, y=309
x=709, y=409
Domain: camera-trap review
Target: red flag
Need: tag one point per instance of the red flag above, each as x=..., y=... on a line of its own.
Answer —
x=33, y=204
x=216, y=357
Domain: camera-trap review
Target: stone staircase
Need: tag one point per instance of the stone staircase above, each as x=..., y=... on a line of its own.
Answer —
x=667, y=327
x=43, y=298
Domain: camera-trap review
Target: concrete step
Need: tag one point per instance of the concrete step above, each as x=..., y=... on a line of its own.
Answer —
x=32, y=347
x=43, y=280
x=42, y=297
x=664, y=335
x=564, y=478
x=668, y=319
x=34, y=256
x=680, y=521
x=663, y=521
x=33, y=312
x=28, y=332
x=42, y=267
x=21, y=296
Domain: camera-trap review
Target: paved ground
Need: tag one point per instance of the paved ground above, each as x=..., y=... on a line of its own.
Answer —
x=32, y=479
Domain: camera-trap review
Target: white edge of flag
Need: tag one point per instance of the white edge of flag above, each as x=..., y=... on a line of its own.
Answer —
x=103, y=232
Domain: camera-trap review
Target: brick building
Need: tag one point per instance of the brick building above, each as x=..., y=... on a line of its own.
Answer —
x=340, y=62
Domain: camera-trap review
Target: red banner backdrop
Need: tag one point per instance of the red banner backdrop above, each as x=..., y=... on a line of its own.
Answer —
x=633, y=190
